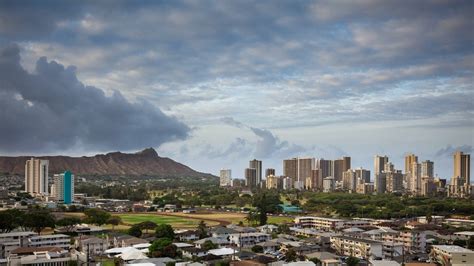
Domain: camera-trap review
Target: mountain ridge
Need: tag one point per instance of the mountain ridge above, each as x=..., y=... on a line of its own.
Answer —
x=146, y=162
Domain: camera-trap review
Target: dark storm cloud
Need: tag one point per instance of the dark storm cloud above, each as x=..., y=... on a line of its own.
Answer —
x=52, y=110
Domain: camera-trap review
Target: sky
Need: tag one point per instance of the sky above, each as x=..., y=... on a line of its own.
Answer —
x=214, y=84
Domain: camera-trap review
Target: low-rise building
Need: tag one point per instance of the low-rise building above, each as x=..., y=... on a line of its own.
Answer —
x=91, y=245
x=451, y=255
x=13, y=240
x=58, y=240
x=321, y=223
x=248, y=239
x=44, y=256
x=357, y=247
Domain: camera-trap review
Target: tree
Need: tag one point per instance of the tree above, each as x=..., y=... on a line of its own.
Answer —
x=164, y=231
x=147, y=225
x=208, y=244
x=135, y=231
x=97, y=216
x=202, y=230
x=315, y=261
x=283, y=229
x=38, y=220
x=290, y=255
x=352, y=261
x=429, y=217
x=266, y=202
x=257, y=249
x=68, y=223
x=162, y=247
x=10, y=219
x=251, y=217
x=114, y=221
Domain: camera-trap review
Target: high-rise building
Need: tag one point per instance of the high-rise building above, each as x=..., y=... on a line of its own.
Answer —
x=290, y=168
x=305, y=165
x=409, y=160
x=363, y=174
x=462, y=166
x=340, y=166
x=380, y=183
x=460, y=185
x=36, y=176
x=349, y=180
x=427, y=169
x=257, y=165
x=317, y=181
x=394, y=181
x=269, y=171
x=251, y=178
x=272, y=182
x=325, y=168
x=379, y=166
x=328, y=184
x=225, y=179
x=64, y=187
x=298, y=169
x=415, y=179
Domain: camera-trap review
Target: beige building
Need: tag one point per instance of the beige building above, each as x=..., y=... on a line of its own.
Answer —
x=365, y=188
x=36, y=176
x=451, y=255
x=409, y=160
x=357, y=247
x=461, y=181
x=349, y=180
x=272, y=182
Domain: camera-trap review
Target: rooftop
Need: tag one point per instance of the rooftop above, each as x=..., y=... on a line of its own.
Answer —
x=453, y=249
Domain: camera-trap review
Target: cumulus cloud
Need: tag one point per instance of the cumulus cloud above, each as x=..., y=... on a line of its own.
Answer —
x=449, y=150
x=51, y=110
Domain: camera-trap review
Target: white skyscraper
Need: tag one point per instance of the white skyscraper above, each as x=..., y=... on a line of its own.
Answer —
x=225, y=178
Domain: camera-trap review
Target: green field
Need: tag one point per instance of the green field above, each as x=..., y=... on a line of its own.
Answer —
x=177, y=222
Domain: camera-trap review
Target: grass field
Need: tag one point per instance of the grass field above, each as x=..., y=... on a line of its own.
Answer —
x=183, y=220
x=176, y=222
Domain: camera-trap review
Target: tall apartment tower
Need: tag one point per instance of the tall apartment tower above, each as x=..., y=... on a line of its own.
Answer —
x=64, y=187
x=269, y=172
x=257, y=165
x=251, y=178
x=298, y=168
x=305, y=165
x=290, y=168
x=340, y=166
x=379, y=176
x=461, y=181
x=427, y=169
x=36, y=176
x=462, y=166
x=415, y=179
x=225, y=179
x=325, y=168
x=363, y=174
x=409, y=160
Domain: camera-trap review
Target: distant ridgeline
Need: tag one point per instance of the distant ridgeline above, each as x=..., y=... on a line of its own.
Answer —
x=143, y=163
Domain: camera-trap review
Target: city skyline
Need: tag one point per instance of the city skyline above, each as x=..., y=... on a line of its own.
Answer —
x=214, y=84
